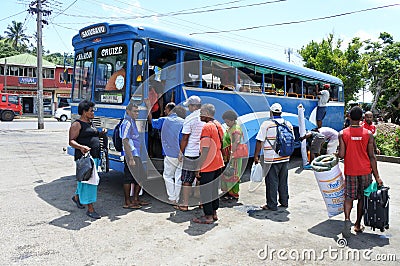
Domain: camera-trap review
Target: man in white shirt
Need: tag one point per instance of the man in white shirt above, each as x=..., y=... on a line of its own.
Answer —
x=332, y=137
x=190, y=147
x=276, y=180
x=323, y=98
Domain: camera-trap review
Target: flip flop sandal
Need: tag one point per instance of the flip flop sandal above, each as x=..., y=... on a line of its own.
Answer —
x=265, y=207
x=202, y=220
x=132, y=207
x=144, y=203
x=362, y=228
x=181, y=208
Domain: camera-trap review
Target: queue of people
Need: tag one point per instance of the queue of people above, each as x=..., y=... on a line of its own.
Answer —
x=197, y=149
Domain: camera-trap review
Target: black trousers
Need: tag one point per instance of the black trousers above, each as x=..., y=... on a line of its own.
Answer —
x=209, y=183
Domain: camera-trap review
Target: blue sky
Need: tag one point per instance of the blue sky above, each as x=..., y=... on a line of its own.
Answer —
x=271, y=41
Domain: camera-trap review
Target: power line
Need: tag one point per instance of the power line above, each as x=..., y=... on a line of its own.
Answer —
x=242, y=38
x=177, y=13
x=295, y=22
x=245, y=39
x=13, y=15
x=60, y=37
x=220, y=9
x=239, y=38
x=56, y=15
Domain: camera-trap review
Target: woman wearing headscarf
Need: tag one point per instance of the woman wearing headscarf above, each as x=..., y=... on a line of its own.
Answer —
x=231, y=176
x=84, y=137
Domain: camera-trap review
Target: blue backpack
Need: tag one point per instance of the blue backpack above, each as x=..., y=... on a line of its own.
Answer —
x=284, y=143
x=117, y=140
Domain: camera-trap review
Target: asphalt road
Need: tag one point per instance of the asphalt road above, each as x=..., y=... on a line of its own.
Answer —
x=40, y=225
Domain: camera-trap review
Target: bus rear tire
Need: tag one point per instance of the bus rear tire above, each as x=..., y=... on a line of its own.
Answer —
x=7, y=116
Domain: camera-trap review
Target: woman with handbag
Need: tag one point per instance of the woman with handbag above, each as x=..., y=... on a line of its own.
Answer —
x=84, y=137
x=232, y=153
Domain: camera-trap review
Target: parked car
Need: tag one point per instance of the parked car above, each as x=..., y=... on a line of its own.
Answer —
x=63, y=114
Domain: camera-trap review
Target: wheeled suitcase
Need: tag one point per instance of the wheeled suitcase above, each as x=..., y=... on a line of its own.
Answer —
x=376, y=209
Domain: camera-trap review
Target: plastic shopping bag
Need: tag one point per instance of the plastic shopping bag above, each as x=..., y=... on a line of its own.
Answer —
x=256, y=177
x=256, y=173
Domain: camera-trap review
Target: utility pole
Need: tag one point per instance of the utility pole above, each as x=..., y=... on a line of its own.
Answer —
x=39, y=66
x=40, y=12
x=289, y=51
x=5, y=75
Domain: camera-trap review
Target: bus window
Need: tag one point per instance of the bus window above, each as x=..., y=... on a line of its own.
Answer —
x=274, y=84
x=334, y=93
x=250, y=81
x=83, y=75
x=340, y=94
x=191, y=70
x=110, y=78
x=221, y=76
x=138, y=75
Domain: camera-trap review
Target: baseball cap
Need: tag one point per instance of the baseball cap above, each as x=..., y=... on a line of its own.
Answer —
x=327, y=86
x=192, y=100
x=276, y=107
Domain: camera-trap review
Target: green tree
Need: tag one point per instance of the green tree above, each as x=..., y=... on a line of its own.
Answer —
x=383, y=59
x=6, y=49
x=329, y=57
x=16, y=36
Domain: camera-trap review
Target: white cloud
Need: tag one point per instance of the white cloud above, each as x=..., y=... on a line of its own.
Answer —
x=362, y=34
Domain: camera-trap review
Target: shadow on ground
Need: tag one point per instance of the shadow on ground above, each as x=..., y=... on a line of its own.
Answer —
x=333, y=229
x=109, y=200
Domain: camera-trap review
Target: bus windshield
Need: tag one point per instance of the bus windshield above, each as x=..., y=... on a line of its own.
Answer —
x=83, y=75
x=110, y=78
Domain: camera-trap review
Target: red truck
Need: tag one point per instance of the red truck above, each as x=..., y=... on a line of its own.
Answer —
x=10, y=106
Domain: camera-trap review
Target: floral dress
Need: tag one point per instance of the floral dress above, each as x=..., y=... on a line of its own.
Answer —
x=231, y=176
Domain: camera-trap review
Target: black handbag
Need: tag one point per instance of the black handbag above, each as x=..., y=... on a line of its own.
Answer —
x=84, y=167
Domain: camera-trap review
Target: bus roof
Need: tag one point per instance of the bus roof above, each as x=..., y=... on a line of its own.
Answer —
x=124, y=31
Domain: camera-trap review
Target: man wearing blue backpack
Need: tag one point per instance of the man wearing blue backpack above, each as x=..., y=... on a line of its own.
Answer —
x=277, y=139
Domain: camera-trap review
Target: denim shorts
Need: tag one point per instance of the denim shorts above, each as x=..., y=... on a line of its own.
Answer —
x=321, y=112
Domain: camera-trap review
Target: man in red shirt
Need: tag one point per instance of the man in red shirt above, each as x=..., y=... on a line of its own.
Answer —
x=210, y=164
x=356, y=146
x=367, y=123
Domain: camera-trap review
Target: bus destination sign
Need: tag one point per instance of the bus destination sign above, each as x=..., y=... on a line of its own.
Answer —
x=93, y=31
x=84, y=56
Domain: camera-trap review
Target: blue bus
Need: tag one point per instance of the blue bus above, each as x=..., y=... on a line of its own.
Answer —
x=181, y=66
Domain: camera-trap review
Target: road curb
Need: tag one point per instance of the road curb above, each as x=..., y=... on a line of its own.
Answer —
x=389, y=159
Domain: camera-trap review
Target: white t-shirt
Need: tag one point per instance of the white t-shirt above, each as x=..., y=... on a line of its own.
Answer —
x=329, y=133
x=323, y=98
x=193, y=126
x=268, y=130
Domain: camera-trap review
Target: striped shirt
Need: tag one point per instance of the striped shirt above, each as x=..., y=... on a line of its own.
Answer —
x=268, y=130
x=193, y=126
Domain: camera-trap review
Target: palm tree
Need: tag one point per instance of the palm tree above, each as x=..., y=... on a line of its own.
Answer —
x=15, y=34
